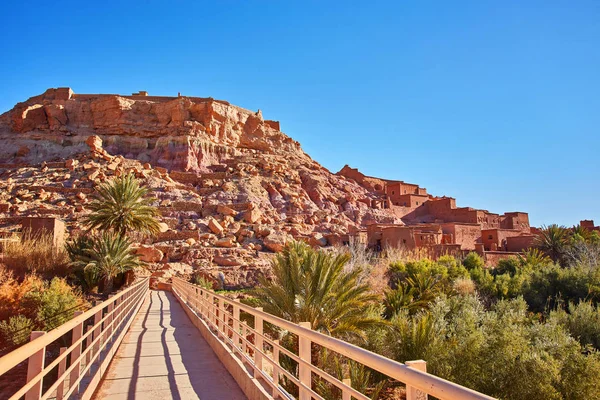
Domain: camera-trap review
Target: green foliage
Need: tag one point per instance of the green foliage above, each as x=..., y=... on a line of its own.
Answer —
x=51, y=304
x=121, y=205
x=15, y=331
x=552, y=241
x=313, y=286
x=109, y=255
x=582, y=321
x=472, y=261
x=545, y=288
x=502, y=352
x=200, y=280
x=78, y=250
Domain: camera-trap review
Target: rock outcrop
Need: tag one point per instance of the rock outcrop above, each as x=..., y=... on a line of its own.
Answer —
x=230, y=186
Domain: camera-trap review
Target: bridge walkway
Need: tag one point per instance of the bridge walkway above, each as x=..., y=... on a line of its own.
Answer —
x=163, y=356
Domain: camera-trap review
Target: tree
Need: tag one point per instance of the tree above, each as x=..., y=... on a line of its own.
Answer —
x=121, y=205
x=312, y=286
x=109, y=255
x=552, y=240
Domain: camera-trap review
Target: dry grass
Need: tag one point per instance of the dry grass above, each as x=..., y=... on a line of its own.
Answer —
x=35, y=255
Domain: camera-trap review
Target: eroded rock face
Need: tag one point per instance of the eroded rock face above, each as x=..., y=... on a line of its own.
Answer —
x=230, y=186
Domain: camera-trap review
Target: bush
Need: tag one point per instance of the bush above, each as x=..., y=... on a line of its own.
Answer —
x=472, y=261
x=503, y=352
x=582, y=321
x=52, y=304
x=15, y=331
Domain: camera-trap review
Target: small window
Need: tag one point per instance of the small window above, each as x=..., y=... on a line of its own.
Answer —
x=393, y=192
x=490, y=237
x=417, y=203
x=404, y=241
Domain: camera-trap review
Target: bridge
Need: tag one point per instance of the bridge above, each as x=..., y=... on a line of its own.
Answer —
x=187, y=342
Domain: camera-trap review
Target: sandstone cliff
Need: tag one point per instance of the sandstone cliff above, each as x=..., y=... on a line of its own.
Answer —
x=230, y=185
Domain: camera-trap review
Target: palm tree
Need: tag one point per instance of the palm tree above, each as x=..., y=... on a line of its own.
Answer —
x=108, y=256
x=121, y=205
x=552, y=240
x=312, y=286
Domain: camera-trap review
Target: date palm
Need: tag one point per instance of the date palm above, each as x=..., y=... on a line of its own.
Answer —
x=552, y=241
x=122, y=205
x=312, y=286
x=108, y=255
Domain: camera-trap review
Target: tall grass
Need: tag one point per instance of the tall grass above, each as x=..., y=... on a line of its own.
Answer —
x=34, y=254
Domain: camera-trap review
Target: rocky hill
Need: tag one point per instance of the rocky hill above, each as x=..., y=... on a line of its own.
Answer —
x=231, y=187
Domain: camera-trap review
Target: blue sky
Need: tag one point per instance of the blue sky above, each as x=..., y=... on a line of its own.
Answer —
x=495, y=103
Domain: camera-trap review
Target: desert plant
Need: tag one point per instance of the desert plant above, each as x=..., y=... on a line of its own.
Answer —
x=110, y=255
x=552, y=241
x=121, y=205
x=52, y=304
x=15, y=331
x=202, y=281
x=472, y=261
x=312, y=286
x=35, y=254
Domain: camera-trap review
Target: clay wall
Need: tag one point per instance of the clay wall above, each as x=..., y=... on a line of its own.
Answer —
x=36, y=226
x=408, y=200
x=515, y=220
x=495, y=239
x=519, y=243
x=491, y=258
x=587, y=224
x=464, y=235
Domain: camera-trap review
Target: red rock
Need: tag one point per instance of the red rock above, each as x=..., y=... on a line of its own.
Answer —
x=149, y=254
x=214, y=226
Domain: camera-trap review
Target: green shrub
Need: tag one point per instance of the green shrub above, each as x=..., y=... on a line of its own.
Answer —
x=582, y=321
x=16, y=330
x=54, y=303
x=472, y=261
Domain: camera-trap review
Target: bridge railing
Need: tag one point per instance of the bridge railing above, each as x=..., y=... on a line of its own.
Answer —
x=262, y=353
x=94, y=336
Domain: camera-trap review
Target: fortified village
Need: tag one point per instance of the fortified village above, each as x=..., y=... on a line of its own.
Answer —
x=230, y=186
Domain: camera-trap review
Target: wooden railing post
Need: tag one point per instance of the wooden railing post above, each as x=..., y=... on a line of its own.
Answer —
x=413, y=393
x=345, y=393
x=275, y=367
x=258, y=340
x=236, y=324
x=62, y=366
x=304, y=352
x=35, y=365
x=77, y=333
x=88, y=343
x=222, y=317
x=109, y=321
x=97, y=331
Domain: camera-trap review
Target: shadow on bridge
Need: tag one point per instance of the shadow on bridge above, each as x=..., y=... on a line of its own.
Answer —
x=164, y=357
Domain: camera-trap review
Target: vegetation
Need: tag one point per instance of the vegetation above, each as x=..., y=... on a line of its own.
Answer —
x=122, y=205
x=312, y=286
x=107, y=256
x=34, y=286
x=528, y=328
x=34, y=254
x=34, y=303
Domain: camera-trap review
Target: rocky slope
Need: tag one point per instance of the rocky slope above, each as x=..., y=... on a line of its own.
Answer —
x=231, y=187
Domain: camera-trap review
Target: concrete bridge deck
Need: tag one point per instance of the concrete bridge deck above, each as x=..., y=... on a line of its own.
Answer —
x=163, y=356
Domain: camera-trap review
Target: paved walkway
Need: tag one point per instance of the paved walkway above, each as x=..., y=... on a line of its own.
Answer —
x=163, y=356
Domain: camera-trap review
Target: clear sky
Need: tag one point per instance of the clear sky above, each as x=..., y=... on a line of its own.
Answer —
x=496, y=103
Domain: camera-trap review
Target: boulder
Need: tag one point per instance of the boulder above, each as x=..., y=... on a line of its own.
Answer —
x=276, y=241
x=149, y=254
x=214, y=226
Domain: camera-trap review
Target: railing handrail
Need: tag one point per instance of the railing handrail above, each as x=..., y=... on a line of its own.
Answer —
x=424, y=381
x=17, y=356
